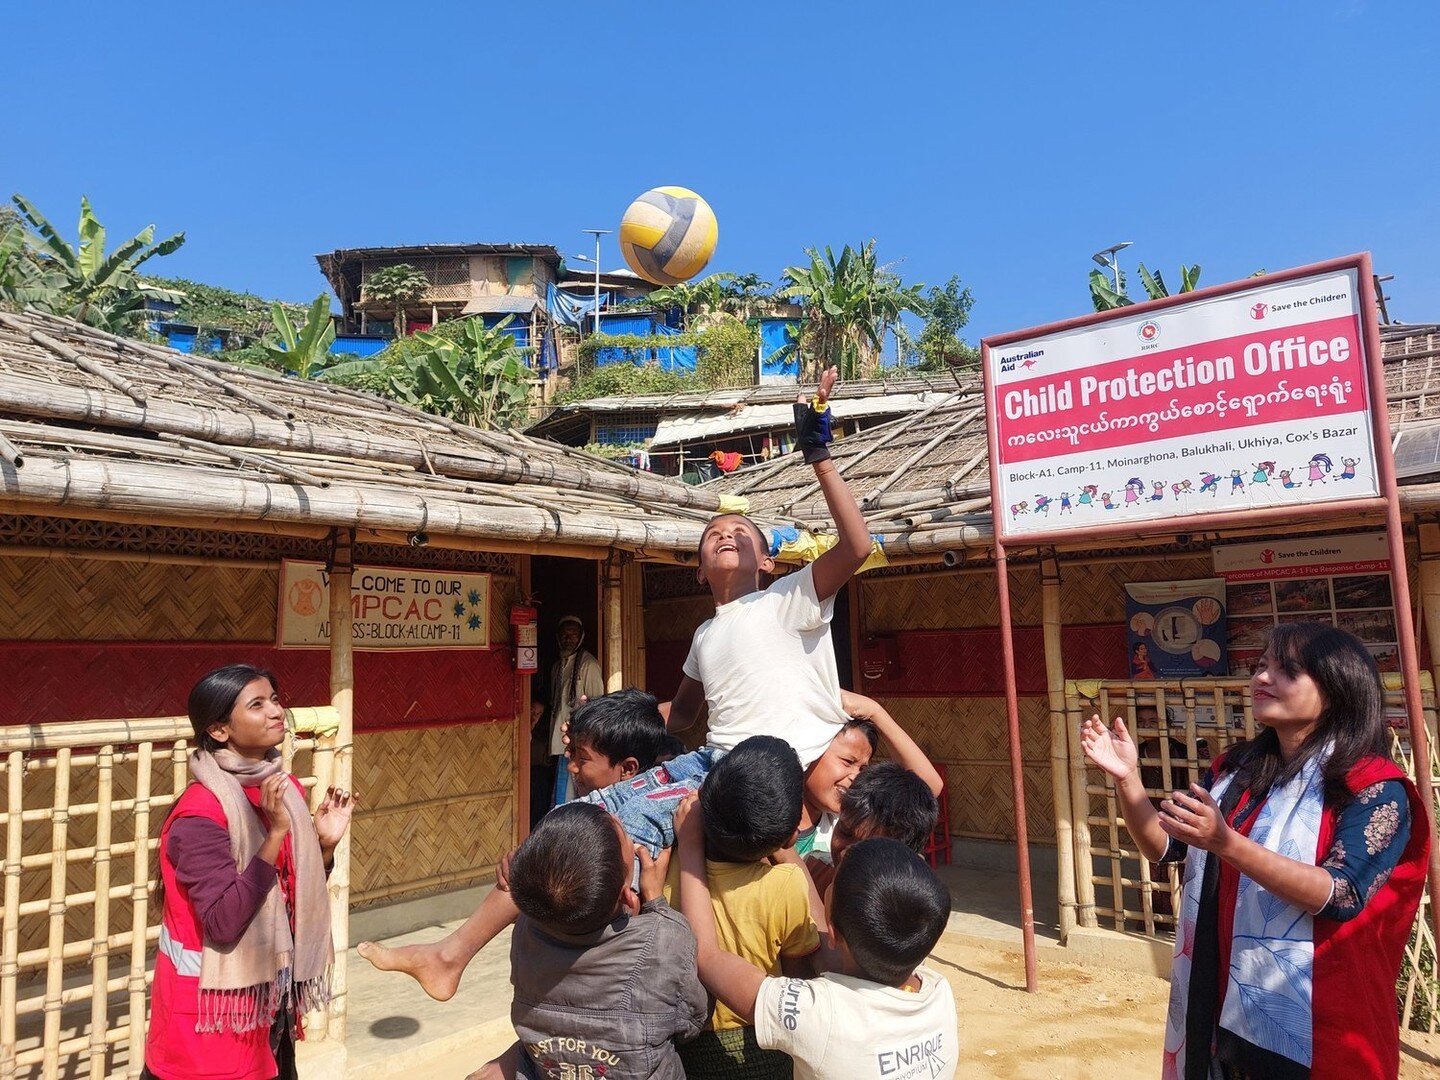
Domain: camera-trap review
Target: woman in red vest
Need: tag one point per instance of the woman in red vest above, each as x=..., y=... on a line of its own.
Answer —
x=245, y=945
x=1305, y=853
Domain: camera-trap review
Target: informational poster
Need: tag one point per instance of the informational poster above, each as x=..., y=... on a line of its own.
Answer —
x=393, y=608
x=1251, y=398
x=1340, y=580
x=1176, y=629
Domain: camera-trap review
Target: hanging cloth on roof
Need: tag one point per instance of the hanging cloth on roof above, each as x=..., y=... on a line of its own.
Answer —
x=788, y=542
x=727, y=461
x=569, y=309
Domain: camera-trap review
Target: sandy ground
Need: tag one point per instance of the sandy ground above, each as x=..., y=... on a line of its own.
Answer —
x=1084, y=1023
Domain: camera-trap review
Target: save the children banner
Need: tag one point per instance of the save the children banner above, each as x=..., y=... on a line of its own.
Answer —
x=1251, y=398
x=393, y=608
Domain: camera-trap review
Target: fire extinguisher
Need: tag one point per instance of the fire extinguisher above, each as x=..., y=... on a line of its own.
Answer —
x=525, y=635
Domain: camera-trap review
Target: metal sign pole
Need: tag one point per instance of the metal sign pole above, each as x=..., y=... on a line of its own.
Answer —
x=1017, y=771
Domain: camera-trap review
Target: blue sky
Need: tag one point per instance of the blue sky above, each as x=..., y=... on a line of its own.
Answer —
x=1004, y=142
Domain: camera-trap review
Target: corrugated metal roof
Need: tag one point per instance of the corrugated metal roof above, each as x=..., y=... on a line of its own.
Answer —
x=680, y=429
x=500, y=305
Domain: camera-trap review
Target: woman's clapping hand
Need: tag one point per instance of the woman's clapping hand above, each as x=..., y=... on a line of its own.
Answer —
x=1109, y=749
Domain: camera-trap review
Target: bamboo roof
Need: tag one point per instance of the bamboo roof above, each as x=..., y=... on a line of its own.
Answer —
x=923, y=480
x=93, y=425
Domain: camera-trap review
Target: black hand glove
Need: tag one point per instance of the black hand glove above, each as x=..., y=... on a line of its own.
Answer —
x=812, y=432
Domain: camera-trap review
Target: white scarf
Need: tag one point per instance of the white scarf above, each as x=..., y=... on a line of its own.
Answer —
x=1272, y=952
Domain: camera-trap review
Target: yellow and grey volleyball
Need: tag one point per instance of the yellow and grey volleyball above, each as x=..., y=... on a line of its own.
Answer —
x=668, y=235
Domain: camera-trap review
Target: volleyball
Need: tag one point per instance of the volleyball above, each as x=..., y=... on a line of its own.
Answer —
x=668, y=235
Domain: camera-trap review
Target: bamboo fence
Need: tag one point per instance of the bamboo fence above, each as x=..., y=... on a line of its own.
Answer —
x=84, y=805
x=1180, y=727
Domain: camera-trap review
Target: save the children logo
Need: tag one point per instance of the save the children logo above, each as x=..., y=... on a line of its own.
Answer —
x=1148, y=331
x=1258, y=311
x=1267, y=556
x=304, y=597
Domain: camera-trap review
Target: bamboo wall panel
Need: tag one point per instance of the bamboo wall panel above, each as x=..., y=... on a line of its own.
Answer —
x=63, y=600
x=968, y=736
x=946, y=601
x=676, y=620
x=1095, y=592
x=437, y=808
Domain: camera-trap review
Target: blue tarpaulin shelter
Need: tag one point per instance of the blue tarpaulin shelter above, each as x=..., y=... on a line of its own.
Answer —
x=570, y=309
x=775, y=334
x=679, y=358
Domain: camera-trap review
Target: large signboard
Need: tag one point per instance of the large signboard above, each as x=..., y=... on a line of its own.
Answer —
x=1246, y=396
x=393, y=608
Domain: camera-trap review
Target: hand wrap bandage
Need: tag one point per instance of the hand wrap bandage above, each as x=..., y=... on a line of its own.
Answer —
x=812, y=430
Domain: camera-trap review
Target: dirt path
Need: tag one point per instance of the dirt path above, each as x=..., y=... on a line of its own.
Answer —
x=1085, y=1023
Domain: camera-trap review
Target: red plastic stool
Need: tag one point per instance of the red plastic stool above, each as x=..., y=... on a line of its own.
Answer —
x=937, y=848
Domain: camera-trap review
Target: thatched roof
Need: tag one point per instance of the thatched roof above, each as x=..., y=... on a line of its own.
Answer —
x=93, y=423
x=746, y=408
x=924, y=480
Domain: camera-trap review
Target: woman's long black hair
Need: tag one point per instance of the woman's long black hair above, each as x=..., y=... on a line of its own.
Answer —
x=1352, y=717
x=213, y=699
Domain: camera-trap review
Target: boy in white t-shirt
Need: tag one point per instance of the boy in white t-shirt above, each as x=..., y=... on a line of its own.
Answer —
x=884, y=1015
x=764, y=663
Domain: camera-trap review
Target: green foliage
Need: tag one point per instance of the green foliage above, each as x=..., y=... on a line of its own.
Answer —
x=939, y=343
x=735, y=294
x=397, y=285
x=463, y=370
x=1105, y=297
x=304, y=350
x=88, y=284
x=212, y=308
x=850, y=302
x=612, y=451
x=727, y=354
x=614, y=380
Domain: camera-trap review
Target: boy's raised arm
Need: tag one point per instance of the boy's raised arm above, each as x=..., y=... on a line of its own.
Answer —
x=838, y=565
x=732, y=980
x=907, y=753
x=683, y=710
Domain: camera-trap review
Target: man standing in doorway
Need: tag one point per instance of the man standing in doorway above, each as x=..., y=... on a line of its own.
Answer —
x=573, y=677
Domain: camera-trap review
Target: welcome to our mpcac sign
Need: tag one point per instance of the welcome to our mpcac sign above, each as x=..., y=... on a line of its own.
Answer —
x=1249, y=396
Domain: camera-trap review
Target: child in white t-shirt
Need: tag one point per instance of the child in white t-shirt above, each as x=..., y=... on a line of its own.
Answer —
x=883, y=1015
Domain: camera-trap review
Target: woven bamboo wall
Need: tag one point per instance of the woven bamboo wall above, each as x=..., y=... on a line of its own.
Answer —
x=437, y=809
x=71, y=600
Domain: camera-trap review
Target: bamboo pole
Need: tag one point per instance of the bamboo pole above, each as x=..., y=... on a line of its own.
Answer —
x=520, y=820
x=1080, y=811
x=155, y=558
x=10, y=943
x=342, y=697
x=239, y=457
x=633, y=604
x=614, y=626
x=55, y=970
x=1059, y=744
x=100, y=954
x=108, y=484
x=139, y=908
x=11, y=453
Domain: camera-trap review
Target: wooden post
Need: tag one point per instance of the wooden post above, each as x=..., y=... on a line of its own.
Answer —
x=10, y=948
x=139, y=906
x=612, y=596
x=1059, y=743
x=342, y=745
x=524, y=697
x=1084, y=865
x=632, y=576
x=59, y=864
x=100, y=942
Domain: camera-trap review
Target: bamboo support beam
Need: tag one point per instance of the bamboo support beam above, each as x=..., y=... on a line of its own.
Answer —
x=10, y=942
x=612, y=596
x=139, y=907
x=1059, y=745
x=300, y=476
x=1080, y=812
x=11, y=453
x=100, y=954
x=132, y=390
x=920, y=454
x=55, y=970
x=342, y=698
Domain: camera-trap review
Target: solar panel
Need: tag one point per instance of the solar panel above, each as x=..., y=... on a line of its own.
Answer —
x=1417, y=450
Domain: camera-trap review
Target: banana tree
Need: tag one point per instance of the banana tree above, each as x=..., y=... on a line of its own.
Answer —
x=305, y=350
x=101, y=289
x=477, y=375
x=850, y=303
x=23, y=281
x=1106, y=297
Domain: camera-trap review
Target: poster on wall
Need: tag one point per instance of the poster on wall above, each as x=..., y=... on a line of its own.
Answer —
x=393, y=608
x=1257, y=397
x=1176, y=629
x=1340, y=580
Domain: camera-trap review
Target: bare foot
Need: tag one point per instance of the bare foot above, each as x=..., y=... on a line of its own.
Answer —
x=423, y=963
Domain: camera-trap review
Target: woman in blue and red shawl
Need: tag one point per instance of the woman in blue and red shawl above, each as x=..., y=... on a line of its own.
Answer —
x=1305, y=853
